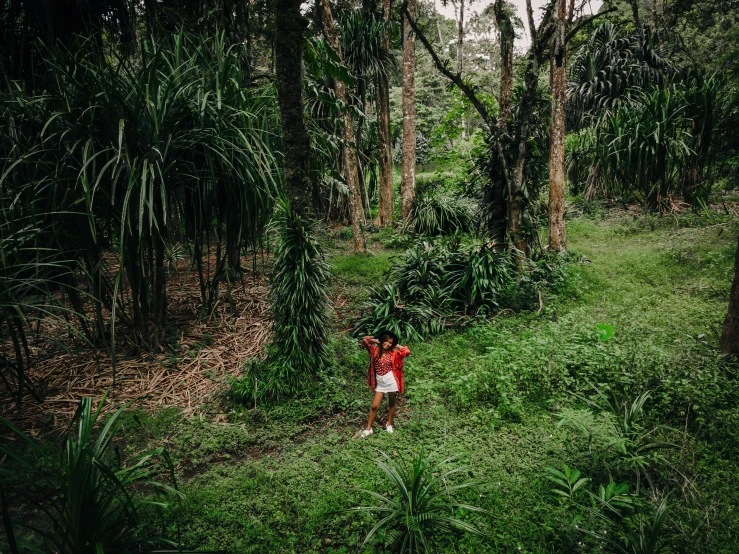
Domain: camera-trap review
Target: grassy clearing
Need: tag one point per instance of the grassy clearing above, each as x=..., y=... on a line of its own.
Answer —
x=274, y=478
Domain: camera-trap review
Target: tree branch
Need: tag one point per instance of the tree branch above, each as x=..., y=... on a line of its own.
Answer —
x=586, y=21
x=532, y=26
x=456, y=78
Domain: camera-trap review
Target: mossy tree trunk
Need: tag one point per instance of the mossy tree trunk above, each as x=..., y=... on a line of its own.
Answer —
x=349, y=154
x=408, y=184
x=387, y=200
x=557, y=86
x=290, y=26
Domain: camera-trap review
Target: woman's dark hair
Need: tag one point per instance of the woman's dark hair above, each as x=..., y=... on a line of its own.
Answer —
x=381, y=337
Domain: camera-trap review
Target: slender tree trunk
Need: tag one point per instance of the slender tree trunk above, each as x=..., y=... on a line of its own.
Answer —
x=506, y=38
x=654, y=15
x=635, y=12
x=289, y=28
x=150, y=13
x=515, y=188
x=557, y=85
x=349, y=153
x=386, y=207
x=438, y=26
x=730, y=335
x=408, y=185
x=460, y=37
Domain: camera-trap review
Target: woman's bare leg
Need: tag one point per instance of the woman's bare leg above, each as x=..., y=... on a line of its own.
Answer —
x=373, y=410
x=391, y=413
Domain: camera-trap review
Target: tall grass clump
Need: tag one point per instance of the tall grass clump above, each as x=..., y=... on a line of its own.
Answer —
x=440, y=214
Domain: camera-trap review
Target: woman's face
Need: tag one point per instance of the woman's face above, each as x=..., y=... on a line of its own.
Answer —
x=387, y=343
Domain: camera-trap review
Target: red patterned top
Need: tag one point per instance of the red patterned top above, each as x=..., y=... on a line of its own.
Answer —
x=384, y=365
x=379, y=367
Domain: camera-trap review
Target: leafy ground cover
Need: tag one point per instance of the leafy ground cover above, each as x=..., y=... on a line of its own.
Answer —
x=642, y=311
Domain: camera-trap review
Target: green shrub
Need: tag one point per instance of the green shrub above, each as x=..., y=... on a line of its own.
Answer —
x=298, y=308
x=91, y=502
x=441, y=214
x=443, y=282
x=421, y=504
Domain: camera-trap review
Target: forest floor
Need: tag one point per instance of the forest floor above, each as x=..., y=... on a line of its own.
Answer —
x=275, y=478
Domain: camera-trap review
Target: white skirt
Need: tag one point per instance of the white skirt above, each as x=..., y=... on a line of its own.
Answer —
x=386, y=383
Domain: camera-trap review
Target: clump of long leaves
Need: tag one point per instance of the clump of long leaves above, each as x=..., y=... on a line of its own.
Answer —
x=421, y=503
x=617, y=436
x=128, y=152
x=299, y=305
x=444, y=282
x=440, y=214
x=91, y=502
x=644, y=146
x=476, y=277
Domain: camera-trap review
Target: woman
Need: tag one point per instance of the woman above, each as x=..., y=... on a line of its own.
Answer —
x=385, y=374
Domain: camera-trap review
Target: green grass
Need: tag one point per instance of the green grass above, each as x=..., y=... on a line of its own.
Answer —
x=276, y=478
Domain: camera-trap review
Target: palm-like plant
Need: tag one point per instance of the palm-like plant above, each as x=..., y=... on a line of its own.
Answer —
x=421, y=504
x=126, y=153
x=643, y=147
x=477, y=276
x=92, y=505
x=299, y=305
x=611, y=68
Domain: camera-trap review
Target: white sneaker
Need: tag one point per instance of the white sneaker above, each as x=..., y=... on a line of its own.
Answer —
x=389, y=428
x=366, y=433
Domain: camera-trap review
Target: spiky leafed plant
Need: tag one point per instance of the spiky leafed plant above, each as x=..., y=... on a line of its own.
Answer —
x=299, y=305
x=476, y=276
x=122, y=151
x=611, y=69
x=441, y=214
x=421, y=503
x=643, y=147
x=91, y=503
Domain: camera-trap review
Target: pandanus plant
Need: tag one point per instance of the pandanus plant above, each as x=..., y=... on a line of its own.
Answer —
x=127, y=156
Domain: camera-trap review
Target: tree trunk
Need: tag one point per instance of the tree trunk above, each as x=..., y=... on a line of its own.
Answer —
x=460, y=37
x=557, y=85
x=289, y=28
x=506, y=38
x=730, y=335
x=408, y=184
x=386, y=207
x=348, y=151
x=150, y=13
x=635, y=12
